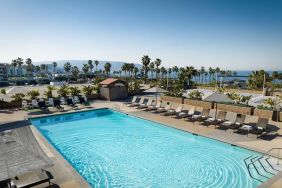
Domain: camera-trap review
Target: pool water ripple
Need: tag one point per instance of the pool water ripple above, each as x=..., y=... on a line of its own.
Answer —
x=111, y=149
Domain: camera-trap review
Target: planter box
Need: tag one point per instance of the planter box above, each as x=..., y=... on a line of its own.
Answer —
x=204, y=104
x=263, y=113
x=172, y=99
x=4, y=104
x=236, y=109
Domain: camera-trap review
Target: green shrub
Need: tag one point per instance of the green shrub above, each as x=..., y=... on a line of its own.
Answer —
x=88, y=90
x=49, y=92
x=33, y=94
x=74, y=91
x=196, y=95
x=18, y=97
x=3, y=91
x=63, y=90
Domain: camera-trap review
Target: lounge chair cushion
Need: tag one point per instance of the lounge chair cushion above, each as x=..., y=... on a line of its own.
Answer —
x=196, y=116
x=227, y=123
x=246, y=127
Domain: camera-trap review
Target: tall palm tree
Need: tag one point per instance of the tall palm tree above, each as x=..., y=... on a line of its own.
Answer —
x=136, y=70
x=202, y=73
x=20, y=62
x=132, y=66
x=75, y=72
x=67, y=68
x=175, y=69
x=124, y=68
x=152, y=67
x=90, y=63
x=157, y=63
x=146, y=61
x=85, y=68
x=189, y=73
x=37, y=70
x=43, y=70
x=169, y=72
x=29, y=67
x=163, y=71
x=107, y=68
x=54, y=68
x=14, y=64
x=275, y=75
x=96, y=64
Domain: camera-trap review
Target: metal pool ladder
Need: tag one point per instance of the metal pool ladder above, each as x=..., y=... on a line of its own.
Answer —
x=265, y=166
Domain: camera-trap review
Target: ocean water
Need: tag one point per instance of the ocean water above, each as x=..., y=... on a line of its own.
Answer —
x=112, y=149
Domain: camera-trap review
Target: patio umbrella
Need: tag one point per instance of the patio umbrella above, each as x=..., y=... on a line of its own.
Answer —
x=156, y=90
x=217, y=97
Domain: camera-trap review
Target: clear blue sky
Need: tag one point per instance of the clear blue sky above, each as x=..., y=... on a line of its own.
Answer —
x=231, y=34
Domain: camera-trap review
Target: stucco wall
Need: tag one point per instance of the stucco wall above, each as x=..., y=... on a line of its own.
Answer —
x=204, y=104
x=236, y=109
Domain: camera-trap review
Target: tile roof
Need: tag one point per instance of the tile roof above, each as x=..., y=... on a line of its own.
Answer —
x=108, y=81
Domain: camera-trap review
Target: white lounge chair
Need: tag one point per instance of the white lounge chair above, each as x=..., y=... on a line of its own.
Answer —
x=149, y=103
x=172, y=112
x=24, y=104
x=76, y=99
x=154, y=107
x=50, y=102
x=34, y=103
x=63, y=101
x=164, y=109
x=135, y=101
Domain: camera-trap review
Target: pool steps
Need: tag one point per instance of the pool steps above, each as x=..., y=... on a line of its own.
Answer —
x=263, y=167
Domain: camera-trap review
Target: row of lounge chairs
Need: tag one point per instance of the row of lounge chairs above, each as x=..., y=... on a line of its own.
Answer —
x=220, y=119
x=57, y=103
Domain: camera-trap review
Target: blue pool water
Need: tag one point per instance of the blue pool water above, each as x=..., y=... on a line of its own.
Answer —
x=112, y=149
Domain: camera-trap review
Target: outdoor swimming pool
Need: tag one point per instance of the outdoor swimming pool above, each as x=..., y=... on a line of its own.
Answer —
x=112, y=149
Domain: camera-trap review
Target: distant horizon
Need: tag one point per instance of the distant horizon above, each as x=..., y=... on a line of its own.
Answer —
x=232, y=35
x=120, y=61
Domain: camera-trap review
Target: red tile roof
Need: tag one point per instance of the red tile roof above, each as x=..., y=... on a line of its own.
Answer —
x=108, y=81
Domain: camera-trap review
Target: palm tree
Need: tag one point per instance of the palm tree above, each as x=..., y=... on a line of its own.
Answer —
x=131, y=68
x=124, y=68
x=29, y=67
x=202, y=73
x=37, y=70
x=189, y=73
x=275, y=75
x=157, y=63
x=14, y=64
x=169, y=72
x=43, y=70
x=152, y=66
x=146, y=61
x=107, y=68
x=67, y=67
x=163, y=71
x=136, y=70
x=20, y=62
x=54, y=68
x=256, y=79
x=175, y=69
x=90, y=63
x=75, y=72
x=96, y=64
x=85, y=68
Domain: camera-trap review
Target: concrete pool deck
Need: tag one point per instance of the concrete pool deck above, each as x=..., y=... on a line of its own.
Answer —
x=66, y=176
